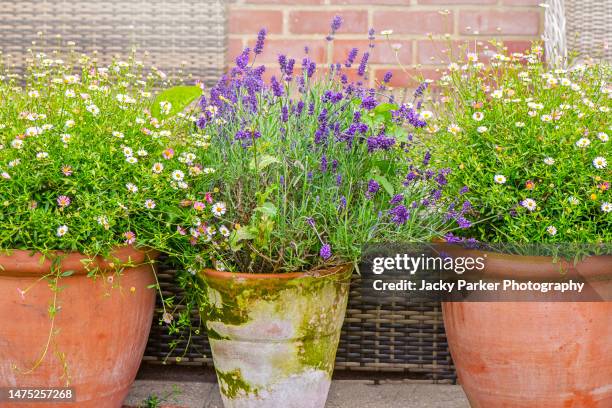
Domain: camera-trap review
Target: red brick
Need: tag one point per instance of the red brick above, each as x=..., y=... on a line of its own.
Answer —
x=430, y=52
x=293, y=49
x=312, y=22
x=251, y=21
x=370, y=2
x=509, y=22
x=284, y=1
x=413, y=22
x=234, y=48
x=460, y=2
x=522, y=2
x=380, y=54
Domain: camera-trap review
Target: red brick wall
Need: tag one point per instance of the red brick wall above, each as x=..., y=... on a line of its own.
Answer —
x=418, y=25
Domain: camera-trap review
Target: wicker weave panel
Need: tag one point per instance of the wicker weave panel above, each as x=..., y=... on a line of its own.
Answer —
x=400, y=337
x=173, y=32
x=588, y=25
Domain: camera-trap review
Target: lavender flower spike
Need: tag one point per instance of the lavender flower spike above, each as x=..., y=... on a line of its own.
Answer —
x=325, y=252
x=261, y=38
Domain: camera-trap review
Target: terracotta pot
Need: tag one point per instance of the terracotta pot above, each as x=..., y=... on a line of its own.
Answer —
x=101, y=327
x=534, y=354
x=274, y=336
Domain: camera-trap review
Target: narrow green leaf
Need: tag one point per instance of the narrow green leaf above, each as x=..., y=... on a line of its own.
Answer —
x=179, y=97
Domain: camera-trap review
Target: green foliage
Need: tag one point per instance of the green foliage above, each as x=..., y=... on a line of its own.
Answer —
x=531, y=143
x=174, y=100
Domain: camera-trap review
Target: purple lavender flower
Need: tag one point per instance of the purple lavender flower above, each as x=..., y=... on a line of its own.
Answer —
x=339, y=179
x=247, y=136
x=311, y=108
x=380, y=142
x=310, y=222
x=398, y=198
x=399, y=214
x=261, y=38
x=309, y=176
x=323, y=164
x=364, y=63
x=371, y=37
x=289, y=68
x=467, y=206
x=243, y=59
x=342, y=204
x=276, y=87
x=282, y=61
x=284, y=114
x=336, y=23
x=351, y=57
x=387, y=77
x=369, y=102
x=202, y=121
x=312, y=67
x=325, y=252
x=373, y=188
x=420, y=89
x=299, y=108
x=464, y=190
x=427, y=158
x=452, y=239
x=463, y=222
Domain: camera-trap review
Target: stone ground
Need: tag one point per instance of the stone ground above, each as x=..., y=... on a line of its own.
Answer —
x=194, y=387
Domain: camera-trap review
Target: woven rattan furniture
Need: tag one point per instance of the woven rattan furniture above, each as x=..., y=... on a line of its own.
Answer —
x=174, y=32
x=401, y=337
x=581, y=26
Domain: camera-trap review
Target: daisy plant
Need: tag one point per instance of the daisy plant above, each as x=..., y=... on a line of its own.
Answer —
x=529, y=144
x=91, y=161
x=312, y=166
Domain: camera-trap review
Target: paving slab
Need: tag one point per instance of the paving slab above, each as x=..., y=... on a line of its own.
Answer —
x=343, y=394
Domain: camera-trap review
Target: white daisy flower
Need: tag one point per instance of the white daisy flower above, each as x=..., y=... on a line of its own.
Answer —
x=386, y=32
x=218, y=209
x=118, y=135
x=551, y=230
x=42, y=155
x=150, y=204
x=482, y=129
x=606, y=207
x=223, y=230
x=519, y=124
x=583, y=142
x=66, y=137
x=426, y=115
x=70, y=93
x=600, y=162
x=5, y=175
x=69, y=123
x=33, y=131
x=33, y=94
x=165, y=107
x=131, y=160
x=573, y=200
x=17, y=144
x=142, y=152
x=500, y=179
x=61, y=231
x=497, y=94
x=157, y=168
x=603, y=137
x=546, y=118
x=478, y=116
x=182, y=185
x=453, y=128
x=131, y=187
x=93, y=109
x=549, y=161
x=178, y=175
x=529, y=204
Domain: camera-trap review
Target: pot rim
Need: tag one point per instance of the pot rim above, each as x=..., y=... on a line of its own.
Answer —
x=317, y=273
x=500, y=264
x=23, y=262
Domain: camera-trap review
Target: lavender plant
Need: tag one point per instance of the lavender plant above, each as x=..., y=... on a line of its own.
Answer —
x=311, y=167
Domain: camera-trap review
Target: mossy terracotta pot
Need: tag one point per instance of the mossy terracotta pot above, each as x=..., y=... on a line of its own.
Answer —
x=532, y=354
x=274, y=336
x=99, y=332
